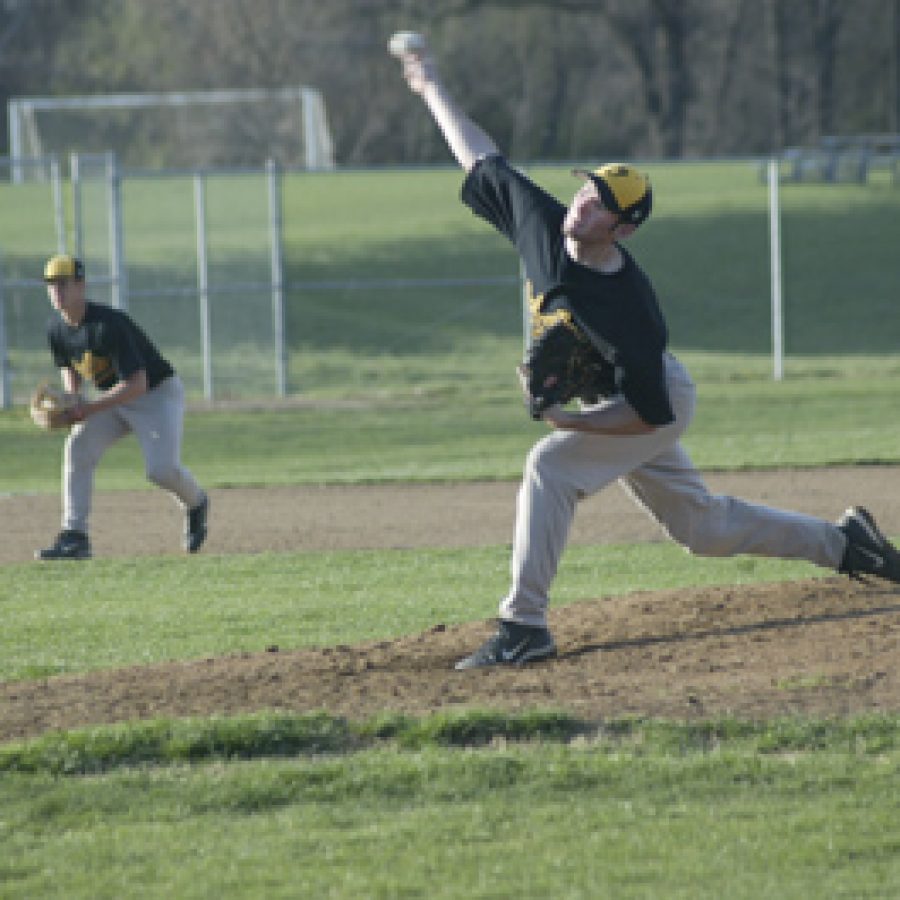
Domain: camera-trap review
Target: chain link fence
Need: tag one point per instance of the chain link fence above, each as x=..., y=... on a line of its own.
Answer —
x=260, y=284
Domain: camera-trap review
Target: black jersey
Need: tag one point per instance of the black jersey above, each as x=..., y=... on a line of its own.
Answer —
x=620, y=308
x=106, y=347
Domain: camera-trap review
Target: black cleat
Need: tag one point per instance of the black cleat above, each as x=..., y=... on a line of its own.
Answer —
x=868, y=551
x=195, y=526
x=514, y=644
x=69, y=544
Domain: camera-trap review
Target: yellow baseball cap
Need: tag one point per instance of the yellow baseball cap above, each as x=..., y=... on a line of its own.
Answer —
x=623, y=189
x=63, y=267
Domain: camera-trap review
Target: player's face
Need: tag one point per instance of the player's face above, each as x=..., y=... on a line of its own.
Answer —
x=587, y=219
x=65, y=295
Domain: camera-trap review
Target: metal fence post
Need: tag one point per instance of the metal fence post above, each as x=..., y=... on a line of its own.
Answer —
x=119, y=286
x=14, y=119
x=203, y=282
x=5, y=386
x=77, y=224
x=775, y=273
x=273, y=177
x=58, y=212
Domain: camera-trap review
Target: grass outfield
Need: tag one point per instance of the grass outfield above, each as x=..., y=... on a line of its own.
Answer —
x=844, y=412
x=365, y=316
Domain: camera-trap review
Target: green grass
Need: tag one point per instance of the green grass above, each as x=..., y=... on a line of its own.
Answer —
x=114, y=613
x=637, y=811
x=268, y=735
x=839, y=411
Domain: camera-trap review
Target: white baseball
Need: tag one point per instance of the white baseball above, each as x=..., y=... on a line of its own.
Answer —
x=403, y=43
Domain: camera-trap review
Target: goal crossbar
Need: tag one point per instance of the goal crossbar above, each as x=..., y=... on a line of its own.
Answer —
x=20, y=112
x=169, y=98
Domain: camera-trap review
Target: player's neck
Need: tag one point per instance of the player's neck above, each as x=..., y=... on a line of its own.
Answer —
x=73, y=312
x=604, y=257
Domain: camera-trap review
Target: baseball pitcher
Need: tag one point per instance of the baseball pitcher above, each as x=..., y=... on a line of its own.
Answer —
x=600, y=338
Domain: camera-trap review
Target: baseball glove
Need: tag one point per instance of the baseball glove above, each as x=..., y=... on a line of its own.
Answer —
x=562, y=364
x=51, y=407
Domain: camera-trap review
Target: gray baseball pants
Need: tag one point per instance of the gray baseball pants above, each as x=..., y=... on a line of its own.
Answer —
x=567, y=466
x=157, y=420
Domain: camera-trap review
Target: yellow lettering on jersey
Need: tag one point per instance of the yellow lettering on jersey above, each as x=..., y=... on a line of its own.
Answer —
x=94, y=367
x=540, y=322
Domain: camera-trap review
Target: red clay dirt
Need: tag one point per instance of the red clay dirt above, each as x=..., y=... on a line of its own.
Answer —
x=822, y=647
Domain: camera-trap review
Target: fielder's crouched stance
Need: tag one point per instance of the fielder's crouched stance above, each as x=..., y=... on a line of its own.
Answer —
x=138, y=391
x=636, y=398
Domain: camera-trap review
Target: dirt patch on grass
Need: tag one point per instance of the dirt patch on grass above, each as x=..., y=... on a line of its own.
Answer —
x=825, y=647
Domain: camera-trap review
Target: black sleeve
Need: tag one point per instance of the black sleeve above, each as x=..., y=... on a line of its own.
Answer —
x=643, y=385
x=505, y=197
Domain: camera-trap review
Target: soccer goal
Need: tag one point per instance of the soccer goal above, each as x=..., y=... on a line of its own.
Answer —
x=190, y=130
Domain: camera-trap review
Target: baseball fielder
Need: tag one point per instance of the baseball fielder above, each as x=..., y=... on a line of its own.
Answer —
x=632, y=435
x=138, y=391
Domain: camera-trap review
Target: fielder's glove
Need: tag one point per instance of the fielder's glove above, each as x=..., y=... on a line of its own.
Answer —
x=51, y=407
x=563, y=364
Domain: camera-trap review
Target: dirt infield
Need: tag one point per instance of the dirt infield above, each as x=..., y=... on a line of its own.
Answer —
x=824, y=647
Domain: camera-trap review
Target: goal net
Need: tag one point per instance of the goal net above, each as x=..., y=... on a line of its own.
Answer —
x=189, y=130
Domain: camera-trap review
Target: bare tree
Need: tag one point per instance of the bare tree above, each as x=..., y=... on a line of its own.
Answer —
x=653, y=32
x=827, y=18
x=895, y=65
x=780, y=52
x=13, y=16
x=551, y=78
